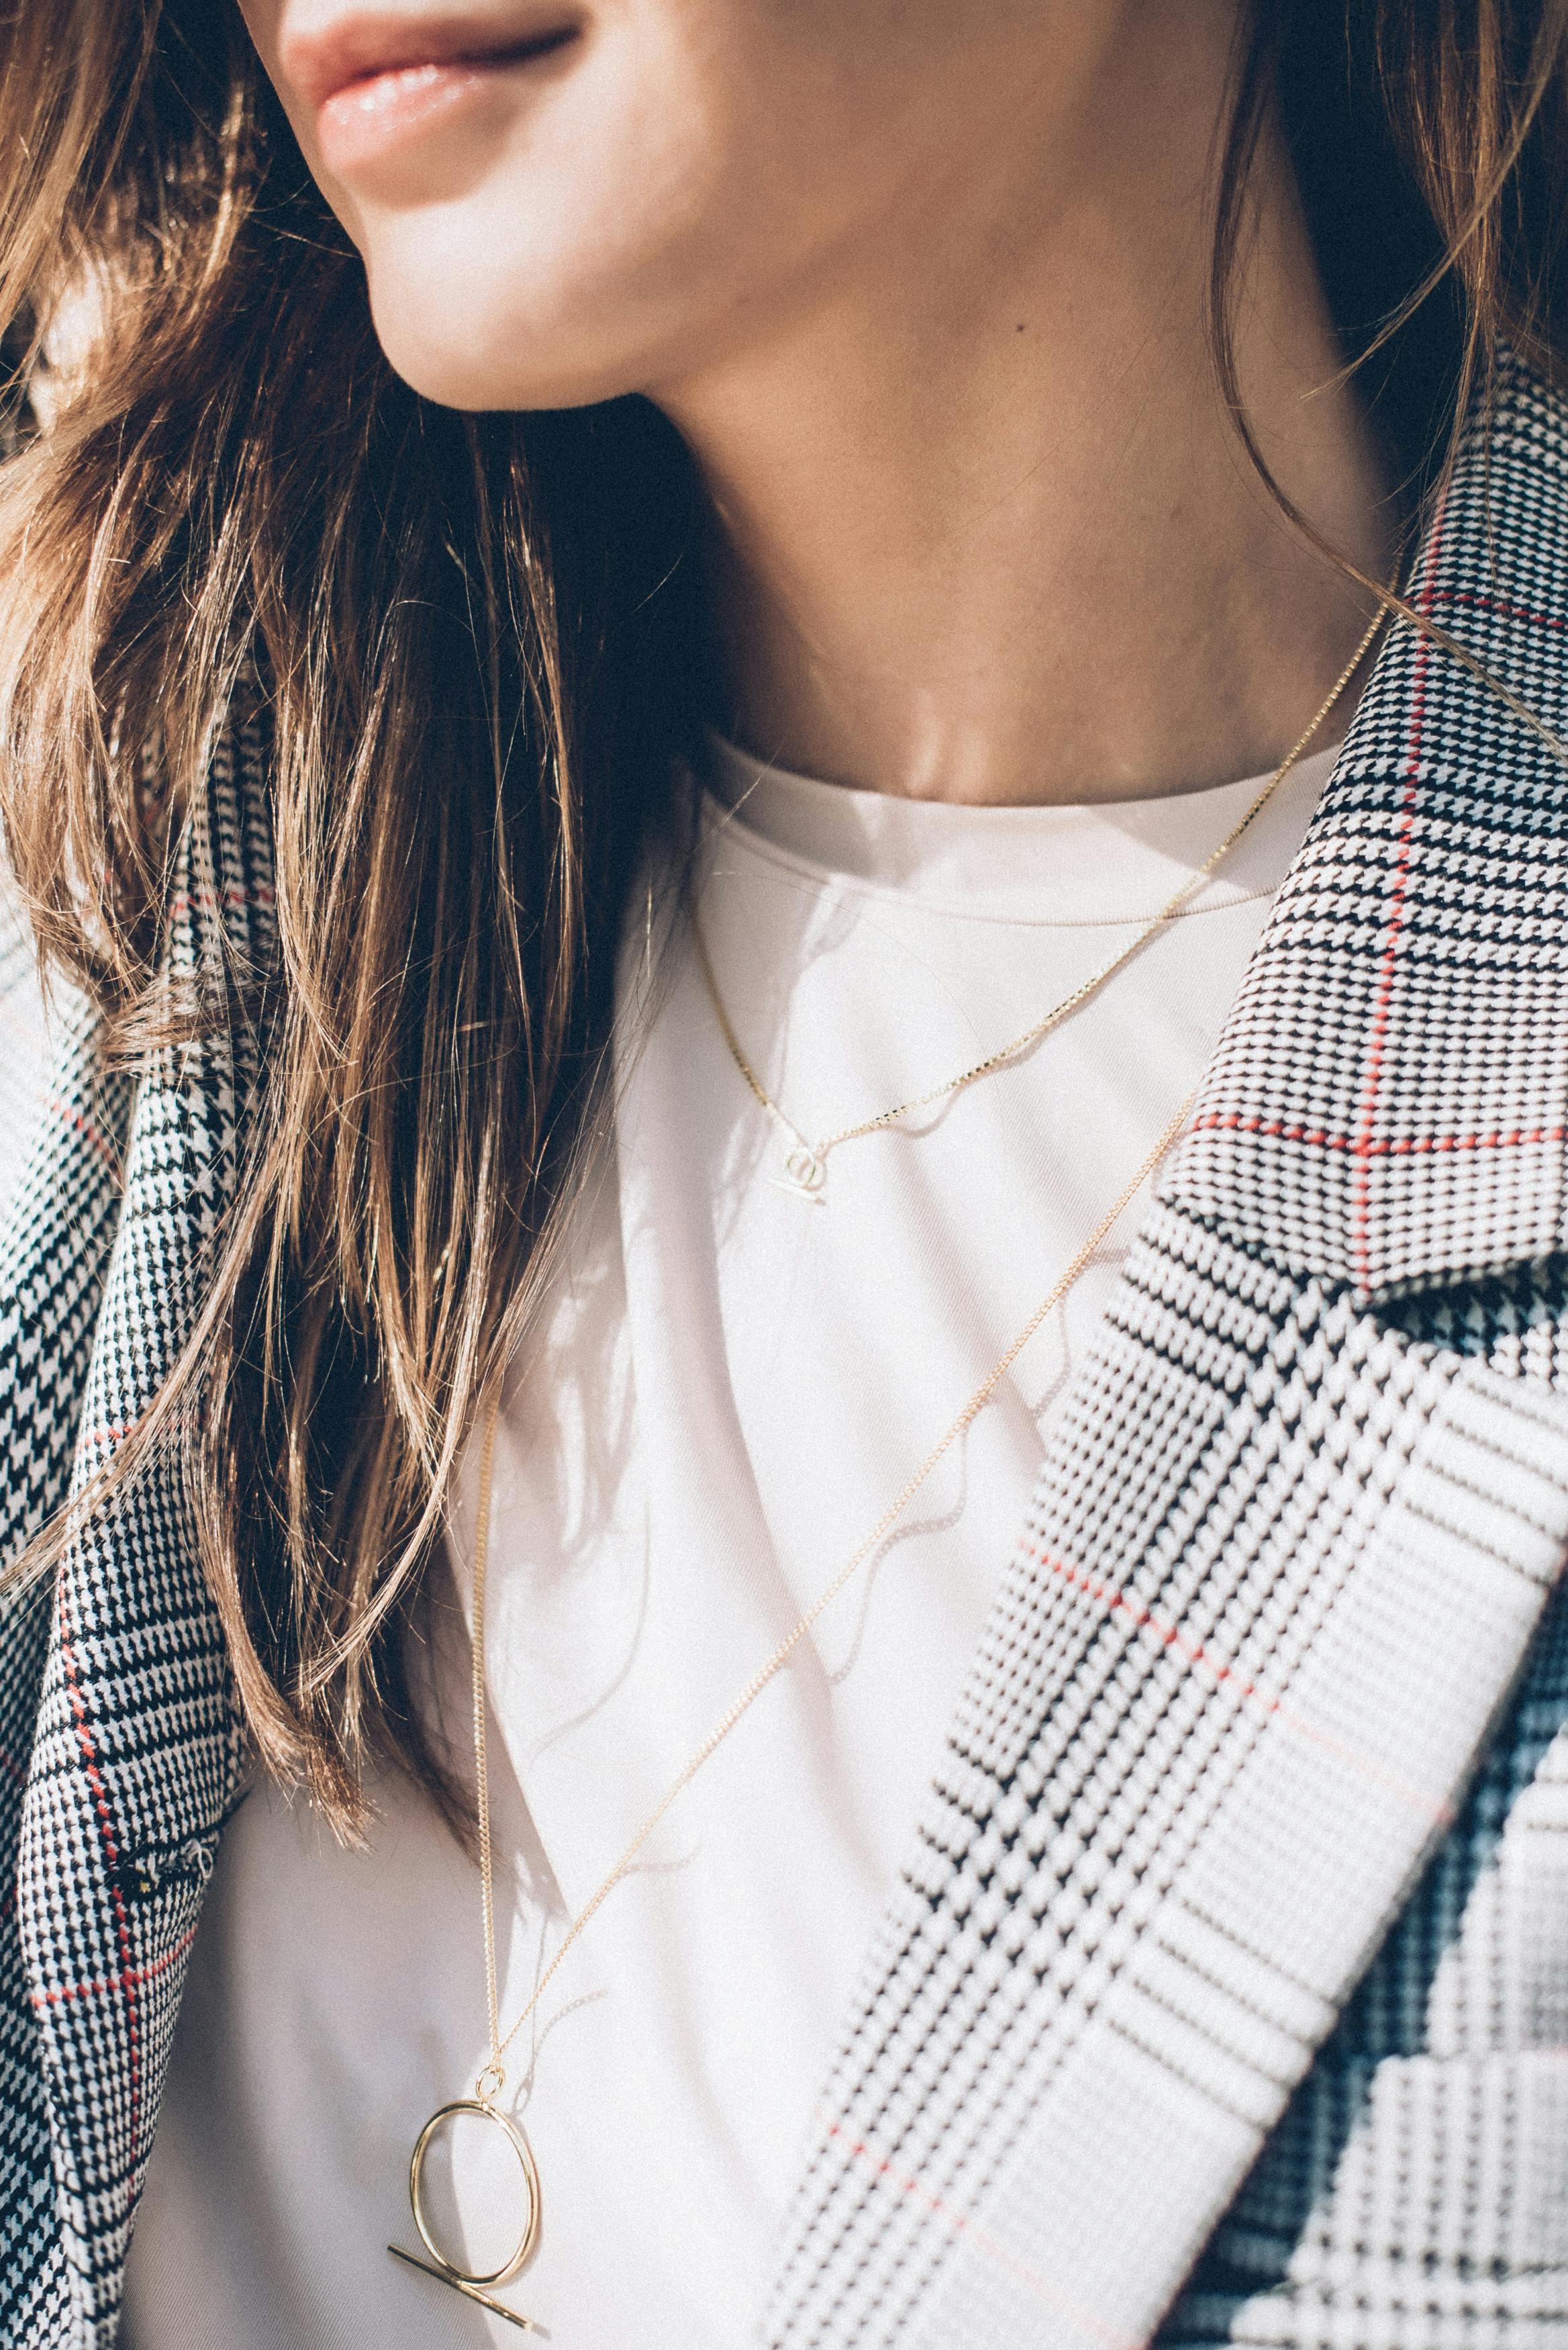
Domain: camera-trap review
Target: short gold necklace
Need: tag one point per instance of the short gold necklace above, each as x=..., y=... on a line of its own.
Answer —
x=806, y=1162
x=490, y=2086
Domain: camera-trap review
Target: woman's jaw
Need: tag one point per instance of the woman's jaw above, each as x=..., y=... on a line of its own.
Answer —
x=923, y=284
x=559, y=201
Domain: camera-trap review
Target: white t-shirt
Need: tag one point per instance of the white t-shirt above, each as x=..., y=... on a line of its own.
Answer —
x=732, y=1385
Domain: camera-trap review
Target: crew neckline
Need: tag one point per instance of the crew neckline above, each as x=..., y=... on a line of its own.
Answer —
x=1119, y=861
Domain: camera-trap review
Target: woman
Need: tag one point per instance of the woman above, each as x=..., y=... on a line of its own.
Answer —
x=671, y=680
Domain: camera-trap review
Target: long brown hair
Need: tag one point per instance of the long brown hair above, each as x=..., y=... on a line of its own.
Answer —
x=479, y=643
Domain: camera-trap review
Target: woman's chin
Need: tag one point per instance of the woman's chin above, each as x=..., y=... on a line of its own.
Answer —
x=463, y=349
x=450, y=353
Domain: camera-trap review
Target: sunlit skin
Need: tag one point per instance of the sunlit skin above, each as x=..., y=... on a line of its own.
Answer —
x=922, y=283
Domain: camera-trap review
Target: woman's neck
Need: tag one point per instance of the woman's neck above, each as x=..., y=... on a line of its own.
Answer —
x=984, y=530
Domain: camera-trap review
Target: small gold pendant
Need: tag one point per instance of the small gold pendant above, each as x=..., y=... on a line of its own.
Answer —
x=473, y=2284
x=806, y=1175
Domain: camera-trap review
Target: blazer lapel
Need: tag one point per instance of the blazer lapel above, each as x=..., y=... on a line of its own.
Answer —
x=138, y=1748
x=60, y=1226
x=1388, y=1105
x=1284, y=1559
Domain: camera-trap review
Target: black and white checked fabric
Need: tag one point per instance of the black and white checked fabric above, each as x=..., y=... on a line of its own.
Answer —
x=1118, y=2067
x=121, y=1744
x=1296, y=1541
x=62, y=1205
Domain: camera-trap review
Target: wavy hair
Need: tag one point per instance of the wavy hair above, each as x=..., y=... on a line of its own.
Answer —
x=480, y=647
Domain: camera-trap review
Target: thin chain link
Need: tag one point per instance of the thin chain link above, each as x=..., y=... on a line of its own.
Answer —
x=492, y=2079
x=812, y=1157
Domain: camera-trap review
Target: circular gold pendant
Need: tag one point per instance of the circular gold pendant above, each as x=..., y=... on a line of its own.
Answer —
x=529, y=2232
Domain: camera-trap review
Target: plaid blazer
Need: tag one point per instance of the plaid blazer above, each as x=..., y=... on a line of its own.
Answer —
x=1224, y=1997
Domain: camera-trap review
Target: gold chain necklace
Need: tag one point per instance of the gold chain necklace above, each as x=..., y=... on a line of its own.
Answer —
x=491, y=2082
x=484, y=2102
x=806, y=1162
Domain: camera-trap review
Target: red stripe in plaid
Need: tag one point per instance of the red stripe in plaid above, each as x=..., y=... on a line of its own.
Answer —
x=1496, y=605
x=100, y=1439
x=959, y=2223
x=126, y=1980
x=1116, y=1603
x=208, y=901
x=88, y=1132
x=108, y=1986
x=1408, y=1146
x=1361, y=1244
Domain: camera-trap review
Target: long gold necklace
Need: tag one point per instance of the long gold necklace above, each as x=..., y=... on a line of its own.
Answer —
x=484, y=2103
x=491, y=2082
x=806, y=1162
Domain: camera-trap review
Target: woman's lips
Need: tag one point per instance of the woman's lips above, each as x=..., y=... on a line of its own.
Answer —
x=361, y=123
x=380, y=108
